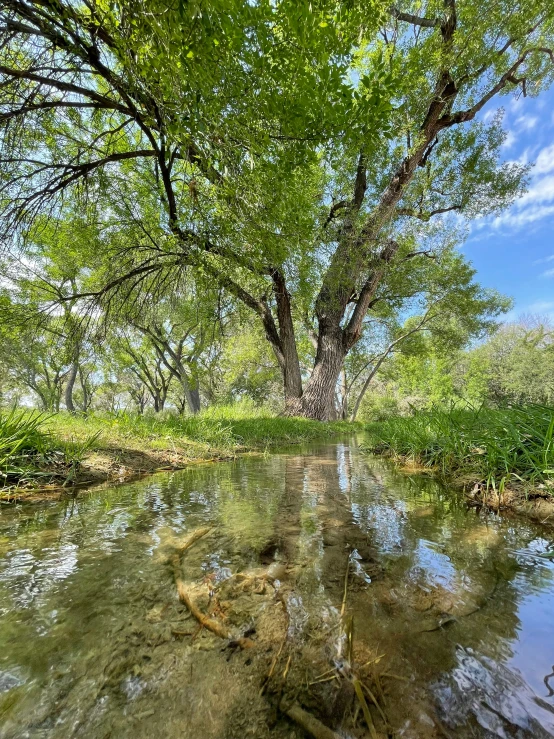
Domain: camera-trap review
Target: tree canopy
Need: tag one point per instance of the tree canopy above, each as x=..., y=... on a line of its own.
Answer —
x=306, y=161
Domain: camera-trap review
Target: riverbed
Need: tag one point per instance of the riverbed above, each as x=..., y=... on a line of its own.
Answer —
x=325, y=567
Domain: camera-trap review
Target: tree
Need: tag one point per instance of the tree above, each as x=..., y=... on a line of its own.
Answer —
x=284, y=153
x=180, y=330
x=59, y=256
x=512, y=365
x=36, y=361
x=134, y=355
x=518, y=362
x=438, y=305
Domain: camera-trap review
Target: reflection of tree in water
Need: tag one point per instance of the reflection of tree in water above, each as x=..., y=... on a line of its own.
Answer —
x=428, y=559
x=442, y=565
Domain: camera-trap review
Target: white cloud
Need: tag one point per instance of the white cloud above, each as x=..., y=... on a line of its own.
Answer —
x=548, y=273
x=538, y=202
x=545, y=161
x=526, y=122
x=526, y=216
x=541, y=191
x=544, y=259
x=489, y=115
x=510, y=140
x=541, y=306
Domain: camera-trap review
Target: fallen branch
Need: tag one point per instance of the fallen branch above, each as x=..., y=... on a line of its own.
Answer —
x=209, y=623
x=205, y=621
x=308, y=722
x=191, y=539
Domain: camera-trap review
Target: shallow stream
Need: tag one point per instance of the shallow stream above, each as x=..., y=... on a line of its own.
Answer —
x=447, y=612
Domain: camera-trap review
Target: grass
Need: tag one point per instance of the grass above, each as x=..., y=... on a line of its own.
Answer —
x=22, y=444
x=224, y=428
x=30, y=452
x=58, y=443
x=494, y=445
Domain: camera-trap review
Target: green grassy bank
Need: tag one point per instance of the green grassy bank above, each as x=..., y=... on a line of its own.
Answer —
x=496, y=447
x=38, y=450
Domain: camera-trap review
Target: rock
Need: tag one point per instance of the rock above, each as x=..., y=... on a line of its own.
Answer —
x=276, y=571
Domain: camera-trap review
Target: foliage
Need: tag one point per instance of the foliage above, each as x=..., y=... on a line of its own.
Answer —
x=293, y=156
x=514, y=365
x=437, y=308
x=518, y=362
x=22, y=442
x=496, y=445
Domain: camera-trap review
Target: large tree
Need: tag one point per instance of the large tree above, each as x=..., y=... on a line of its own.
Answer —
x=281, y=149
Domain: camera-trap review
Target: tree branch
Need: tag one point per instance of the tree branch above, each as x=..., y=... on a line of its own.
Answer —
x=426, y=216
x=334, y=210
x=102, y=100
x=415, y=20
x=463, y=116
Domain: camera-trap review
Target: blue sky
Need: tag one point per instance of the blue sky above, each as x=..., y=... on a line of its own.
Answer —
x=514, y=252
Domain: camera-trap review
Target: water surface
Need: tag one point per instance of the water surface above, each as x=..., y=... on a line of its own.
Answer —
x=451, y=607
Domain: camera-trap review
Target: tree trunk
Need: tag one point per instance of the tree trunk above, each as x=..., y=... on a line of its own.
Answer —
x=318, y=399
x=87, y=399
x=343, y=395
x=365, y=386
x=195, y=397
x=290, y=364
x=192, y=396
x=70, y=384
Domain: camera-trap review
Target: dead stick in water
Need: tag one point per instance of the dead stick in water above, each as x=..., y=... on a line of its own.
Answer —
x=395, y=677
x=373, y=699
x=323, y=680
x=208, y=623
x=365, y=708
x=380, y=690
x=343, y=608
x=176, y=632
x=191, y=539
x=286, y=672
x=309, y=723
x=205, y=621
x=272, y=668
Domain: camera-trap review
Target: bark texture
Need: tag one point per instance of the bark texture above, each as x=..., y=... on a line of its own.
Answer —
x=69, y=386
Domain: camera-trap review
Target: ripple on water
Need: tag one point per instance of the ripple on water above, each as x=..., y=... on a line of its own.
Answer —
x=452, y=609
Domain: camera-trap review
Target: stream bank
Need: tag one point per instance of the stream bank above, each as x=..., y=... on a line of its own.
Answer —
x=81, y=451
x=533, y=502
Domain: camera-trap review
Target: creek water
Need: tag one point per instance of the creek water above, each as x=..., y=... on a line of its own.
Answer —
x=450, y=609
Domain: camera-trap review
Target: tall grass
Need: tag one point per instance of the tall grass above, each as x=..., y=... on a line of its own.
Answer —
x=494, y=444
x=54, y=446
x=241, y=425
x=29, y=451
x=22, y=444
